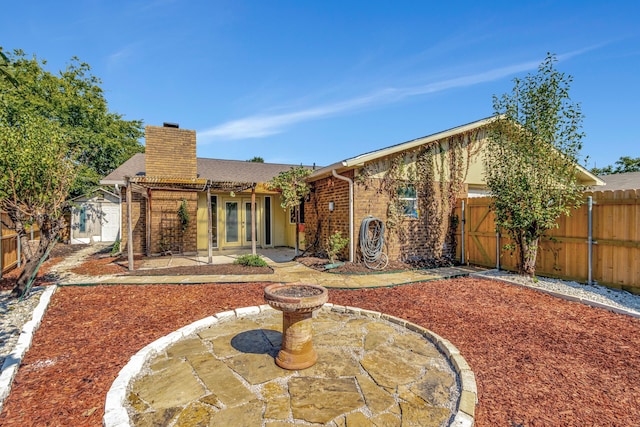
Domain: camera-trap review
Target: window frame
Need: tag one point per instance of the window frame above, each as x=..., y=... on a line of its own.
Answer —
x=408, y=196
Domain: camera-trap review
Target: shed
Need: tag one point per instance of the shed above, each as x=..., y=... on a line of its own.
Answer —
x=95, y=217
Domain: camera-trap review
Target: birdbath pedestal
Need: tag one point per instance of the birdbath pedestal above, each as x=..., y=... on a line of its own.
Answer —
x=297, y=301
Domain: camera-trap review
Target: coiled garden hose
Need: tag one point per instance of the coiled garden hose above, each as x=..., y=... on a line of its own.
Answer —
x=372, y=243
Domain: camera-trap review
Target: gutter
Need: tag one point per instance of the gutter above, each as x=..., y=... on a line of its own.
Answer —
x=350, y=181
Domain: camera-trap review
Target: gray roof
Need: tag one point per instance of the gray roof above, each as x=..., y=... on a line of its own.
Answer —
x=211, y=169
x=620, y=181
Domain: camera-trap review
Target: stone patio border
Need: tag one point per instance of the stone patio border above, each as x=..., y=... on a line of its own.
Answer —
x=115, y=413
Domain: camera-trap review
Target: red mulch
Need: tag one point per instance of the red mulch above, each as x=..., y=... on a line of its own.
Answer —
x=539, y=361
x=43, y=278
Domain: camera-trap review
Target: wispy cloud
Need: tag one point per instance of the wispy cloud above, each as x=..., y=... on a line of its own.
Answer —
x=117, y=58
x=262, y=125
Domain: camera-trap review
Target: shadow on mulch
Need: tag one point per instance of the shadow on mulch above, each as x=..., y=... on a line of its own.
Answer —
x=319, y=263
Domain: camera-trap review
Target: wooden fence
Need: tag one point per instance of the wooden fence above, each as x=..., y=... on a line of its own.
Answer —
x=564, y=252
x=10, y=253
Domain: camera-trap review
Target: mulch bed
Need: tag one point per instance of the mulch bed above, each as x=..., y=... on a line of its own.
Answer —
x=539, y=361
x=101, y=265
x=43, y=278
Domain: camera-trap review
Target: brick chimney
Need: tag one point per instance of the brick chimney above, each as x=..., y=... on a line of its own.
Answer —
x=170, y=152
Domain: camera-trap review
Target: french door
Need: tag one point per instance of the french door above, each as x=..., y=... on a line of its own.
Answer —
x=238, y=222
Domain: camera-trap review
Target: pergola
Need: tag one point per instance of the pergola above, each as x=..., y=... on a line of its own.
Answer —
x=144, y=184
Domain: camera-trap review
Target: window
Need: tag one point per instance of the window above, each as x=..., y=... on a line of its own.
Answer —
x=409, y=200
x=292, y=213
x=83, y=219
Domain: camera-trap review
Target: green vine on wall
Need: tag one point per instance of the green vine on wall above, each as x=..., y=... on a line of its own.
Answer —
x=183, y=215
x=438, y=173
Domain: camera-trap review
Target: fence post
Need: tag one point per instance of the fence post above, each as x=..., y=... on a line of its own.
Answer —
x=129, y=226
x=590, y=240
x=462, y=235
x=497, y=249
x=19, y=244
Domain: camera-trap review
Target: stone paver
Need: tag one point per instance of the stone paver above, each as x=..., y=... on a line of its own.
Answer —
x=371, y=371
x=284, y=271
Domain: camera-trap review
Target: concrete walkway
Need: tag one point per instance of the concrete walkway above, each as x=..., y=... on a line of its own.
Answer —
x=285, y=270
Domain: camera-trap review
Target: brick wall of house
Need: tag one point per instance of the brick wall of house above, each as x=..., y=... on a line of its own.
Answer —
x=406, y=241
x=166, y=228
x=138, y=221
x=170, y=152
x=319, y=222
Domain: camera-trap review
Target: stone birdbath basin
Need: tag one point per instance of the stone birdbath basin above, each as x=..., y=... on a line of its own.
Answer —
x=297, y=301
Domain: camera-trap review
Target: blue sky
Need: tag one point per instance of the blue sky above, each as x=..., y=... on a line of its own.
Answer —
x=306, y=82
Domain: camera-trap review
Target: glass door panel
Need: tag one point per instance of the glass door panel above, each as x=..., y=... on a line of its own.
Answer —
x=214, y=221
x=232, y=222
x=247, y=223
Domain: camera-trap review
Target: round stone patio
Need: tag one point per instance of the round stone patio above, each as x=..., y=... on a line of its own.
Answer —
x=372, y=370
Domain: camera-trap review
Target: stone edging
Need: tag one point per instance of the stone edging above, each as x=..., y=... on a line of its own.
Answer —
x=560, y=295
x=14, y=359
x=115, y=414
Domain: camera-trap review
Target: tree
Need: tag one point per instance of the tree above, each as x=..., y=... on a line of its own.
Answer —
x=5, y=65
x=101, y=140
x=623, y=164
x=293, y=186
x=34, y=189
x=256, y=159
x=57, y=138
x=531, y=158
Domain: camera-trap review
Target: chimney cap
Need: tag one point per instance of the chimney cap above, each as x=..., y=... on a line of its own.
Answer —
x=170, y=125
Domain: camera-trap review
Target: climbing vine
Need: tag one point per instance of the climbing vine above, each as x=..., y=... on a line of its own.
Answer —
x=183, y=215
x=442, y=170
x=438, y=173
x=391, y=183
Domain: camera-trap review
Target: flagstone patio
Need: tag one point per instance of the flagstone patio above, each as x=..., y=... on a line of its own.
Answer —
x=372, y=370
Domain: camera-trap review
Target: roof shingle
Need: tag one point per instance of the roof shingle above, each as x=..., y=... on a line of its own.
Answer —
x=211, y=169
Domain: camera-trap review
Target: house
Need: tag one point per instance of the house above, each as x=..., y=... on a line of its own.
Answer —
x=176, y=202
x=408, y=187
x=95, y=217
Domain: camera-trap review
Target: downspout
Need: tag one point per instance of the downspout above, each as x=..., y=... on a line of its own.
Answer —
x=350, y=181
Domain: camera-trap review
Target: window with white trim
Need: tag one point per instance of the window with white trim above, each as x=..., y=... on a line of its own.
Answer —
x=409, y=200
